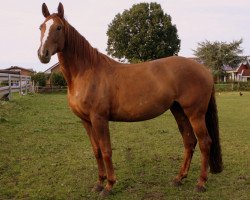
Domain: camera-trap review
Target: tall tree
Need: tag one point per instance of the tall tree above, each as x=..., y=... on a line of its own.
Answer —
x=142, y=33
x=216, y=54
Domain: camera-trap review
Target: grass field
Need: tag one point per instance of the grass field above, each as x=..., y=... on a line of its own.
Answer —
x=46, y=154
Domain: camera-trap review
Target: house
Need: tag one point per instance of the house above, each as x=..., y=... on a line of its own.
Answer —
x=21, y=70
x=53, y=68
x=245, y=76
x=240, y=73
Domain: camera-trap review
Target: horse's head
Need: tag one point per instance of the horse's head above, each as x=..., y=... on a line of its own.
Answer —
x=52, y=33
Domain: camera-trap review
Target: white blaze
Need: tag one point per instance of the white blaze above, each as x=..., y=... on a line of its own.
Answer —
x=48, y=25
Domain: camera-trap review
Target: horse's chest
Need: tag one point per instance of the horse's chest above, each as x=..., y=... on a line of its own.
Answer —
x=80, y=104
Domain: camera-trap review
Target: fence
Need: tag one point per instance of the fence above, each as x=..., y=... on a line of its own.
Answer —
x=50, y=89
x=10, y=83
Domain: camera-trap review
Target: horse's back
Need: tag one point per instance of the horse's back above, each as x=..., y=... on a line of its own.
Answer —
x=182, y=74
x=184, y=66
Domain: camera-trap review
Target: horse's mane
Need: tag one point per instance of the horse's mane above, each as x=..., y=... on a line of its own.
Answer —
x=80, y=47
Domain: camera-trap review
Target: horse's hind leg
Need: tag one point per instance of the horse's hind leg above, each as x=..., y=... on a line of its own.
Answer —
x=189, y=140
x=197, y=120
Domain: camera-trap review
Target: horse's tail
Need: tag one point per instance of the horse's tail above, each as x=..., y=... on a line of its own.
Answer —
x=215, y=158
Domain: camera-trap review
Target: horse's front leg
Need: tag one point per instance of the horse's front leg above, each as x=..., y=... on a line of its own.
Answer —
x=98, y=155
x=101, y=128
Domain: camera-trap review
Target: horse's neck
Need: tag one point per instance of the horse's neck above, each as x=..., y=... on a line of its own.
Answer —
x=68, y=71
x=78, y=56
x=79, y=60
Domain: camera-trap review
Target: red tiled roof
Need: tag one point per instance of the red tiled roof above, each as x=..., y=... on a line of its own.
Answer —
x=241, y=68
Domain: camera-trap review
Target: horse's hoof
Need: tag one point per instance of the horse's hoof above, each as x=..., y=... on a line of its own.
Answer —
x=105, y=193
x=176, y=183
x=200, y=188
x=97, y=188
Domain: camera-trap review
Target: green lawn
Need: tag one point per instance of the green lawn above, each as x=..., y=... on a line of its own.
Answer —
x=46, y=154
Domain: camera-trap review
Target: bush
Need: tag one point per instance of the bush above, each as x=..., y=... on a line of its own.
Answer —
x=4, y=83
x=57, y=79
x=39, y=79
x=244, y=86
x=234, y=86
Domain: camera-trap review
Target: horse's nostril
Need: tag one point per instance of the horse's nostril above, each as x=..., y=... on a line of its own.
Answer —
x=46, y=53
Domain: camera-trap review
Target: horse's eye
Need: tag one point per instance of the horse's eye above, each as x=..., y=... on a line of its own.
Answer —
x=59, y=28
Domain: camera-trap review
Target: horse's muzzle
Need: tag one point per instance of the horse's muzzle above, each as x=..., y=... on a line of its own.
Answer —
x=45, y=56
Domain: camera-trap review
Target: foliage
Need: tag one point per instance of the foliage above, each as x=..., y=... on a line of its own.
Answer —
x=39, y=79
x=57, y=79
x=216, y=54
x=46, y=154
x=142, y=33
x=4, y=83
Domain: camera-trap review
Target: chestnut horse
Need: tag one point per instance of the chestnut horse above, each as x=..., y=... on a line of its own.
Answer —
x=101, y=89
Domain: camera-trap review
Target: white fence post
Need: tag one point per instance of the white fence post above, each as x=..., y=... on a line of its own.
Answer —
x=20, y=84
x=9, y=77
x=26, y=85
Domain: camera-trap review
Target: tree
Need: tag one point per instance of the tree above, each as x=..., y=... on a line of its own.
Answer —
x=142, y=33
x=216, y=54
x=57, y=79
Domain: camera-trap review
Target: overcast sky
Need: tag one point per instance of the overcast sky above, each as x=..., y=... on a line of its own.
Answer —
x=196, y=21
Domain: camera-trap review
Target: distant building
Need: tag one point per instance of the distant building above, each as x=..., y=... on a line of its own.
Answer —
x=21, y=70
x=240, y=73
x=53, y=68
x=8, y=72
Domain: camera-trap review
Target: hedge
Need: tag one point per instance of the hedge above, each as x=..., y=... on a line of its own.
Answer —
x=234, y=86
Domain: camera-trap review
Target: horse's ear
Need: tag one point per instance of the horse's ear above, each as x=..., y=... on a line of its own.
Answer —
x=60, y=10
x=45, y=10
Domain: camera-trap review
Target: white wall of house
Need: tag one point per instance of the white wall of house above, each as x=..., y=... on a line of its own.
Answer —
x=233, y=76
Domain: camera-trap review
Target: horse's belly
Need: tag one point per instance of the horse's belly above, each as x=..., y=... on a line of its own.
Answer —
x=142, y=111
x=143, y=103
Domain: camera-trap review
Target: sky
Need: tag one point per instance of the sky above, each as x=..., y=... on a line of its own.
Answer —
x=196, y=21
